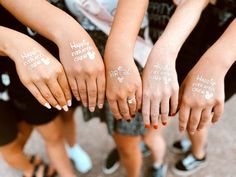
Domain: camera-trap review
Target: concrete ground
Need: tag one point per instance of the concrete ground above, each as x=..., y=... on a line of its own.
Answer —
x=93, y=137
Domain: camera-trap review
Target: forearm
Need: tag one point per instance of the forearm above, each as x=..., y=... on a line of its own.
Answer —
x=6, y=42
x=223, y=52
x=126, y=25
x=181, y=24
x=42, y=17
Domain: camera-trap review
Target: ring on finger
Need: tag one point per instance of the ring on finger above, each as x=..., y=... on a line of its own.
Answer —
x=132, y=100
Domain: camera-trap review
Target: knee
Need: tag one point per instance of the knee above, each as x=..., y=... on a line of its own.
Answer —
x=54, y=137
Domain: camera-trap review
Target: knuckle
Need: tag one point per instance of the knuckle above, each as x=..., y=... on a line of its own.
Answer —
x=58, y=94
x=93, y=93
x=82, y=91
x=145, y=113
x=146, y=95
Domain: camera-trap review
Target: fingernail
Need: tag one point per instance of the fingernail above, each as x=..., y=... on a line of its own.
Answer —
x=133, y=116
x=140, y=111
x=92, y=109
x=77, y=98
x=119, y=120
x=69, y=103
x=100, y=106
x=58, y=107
x=147, y=125
x=173, y=114
x=128, y=120
x=47, y=105
x=155, y=126
x=164, y=123
x=65, y=108
x=85, y=105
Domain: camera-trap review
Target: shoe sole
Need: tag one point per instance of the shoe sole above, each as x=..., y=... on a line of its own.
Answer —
x=188, y=173
x=112, y=169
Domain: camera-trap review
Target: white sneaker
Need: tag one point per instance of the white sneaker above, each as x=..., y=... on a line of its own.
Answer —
x=80, y=158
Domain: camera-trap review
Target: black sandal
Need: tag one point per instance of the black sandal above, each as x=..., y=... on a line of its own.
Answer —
x=45, y=171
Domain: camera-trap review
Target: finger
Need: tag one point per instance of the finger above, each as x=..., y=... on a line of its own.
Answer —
x=184, y=114
x=132, y=105
x=36, y=93
x=101, y=85
x=124, y=109
x=195, y=116
x=62, y=80
x=155, y=107
x=92, y=94
x=74, y=88
x=58, y=94
x=139, y=98
x=82, y=91
x=146, y=110
x=47, y=95
x=164, y=110
x=206, y=115
x=218, y=111
x=174, y=104
x=115, y=109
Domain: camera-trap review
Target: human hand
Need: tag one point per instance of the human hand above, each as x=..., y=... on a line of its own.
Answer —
x=84, y=68
x=201, y=95
x=124, y=88
x=39, y=72
x=160, y=87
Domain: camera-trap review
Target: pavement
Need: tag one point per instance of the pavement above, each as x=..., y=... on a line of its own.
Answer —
x=93, y=137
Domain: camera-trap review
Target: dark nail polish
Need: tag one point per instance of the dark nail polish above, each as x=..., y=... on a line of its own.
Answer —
x=173, y=114
x=164, y=123
x=128, y=120
x=119, y=120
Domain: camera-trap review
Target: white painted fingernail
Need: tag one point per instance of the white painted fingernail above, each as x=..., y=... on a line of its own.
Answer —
x=69, y=103
x=100, y=106
x=58, y=107
x=92, y=109
x=65, y=108
x=47, y=105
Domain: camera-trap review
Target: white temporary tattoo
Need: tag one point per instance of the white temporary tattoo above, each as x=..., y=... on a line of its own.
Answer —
x=161, y=73
x=205, y=87
x=82, y=50
x=35, y=57
x=120, y=73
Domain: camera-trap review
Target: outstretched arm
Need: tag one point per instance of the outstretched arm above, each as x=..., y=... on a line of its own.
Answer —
x=202, y=92
x=124, y=86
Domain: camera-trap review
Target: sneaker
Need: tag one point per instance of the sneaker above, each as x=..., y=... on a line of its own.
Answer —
x=158, y=172
x=80, y=158
x=189, y=165
x=145, y=150
x=181, y=146
x=112, y=162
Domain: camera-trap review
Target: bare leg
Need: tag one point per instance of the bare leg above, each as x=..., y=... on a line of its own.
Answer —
x=199, y=142
x=80, y=158
x=131, y=157
x=156, y=143
x=14, y=156
x=69, y=127
x=54, y=140
x=25, y=131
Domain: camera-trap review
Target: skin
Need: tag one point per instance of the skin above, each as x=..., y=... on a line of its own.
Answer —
x=62, y=29
x=47, y=83
x=160, y=99
x=196, y=111
x=51, y=132
x=120, y=53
